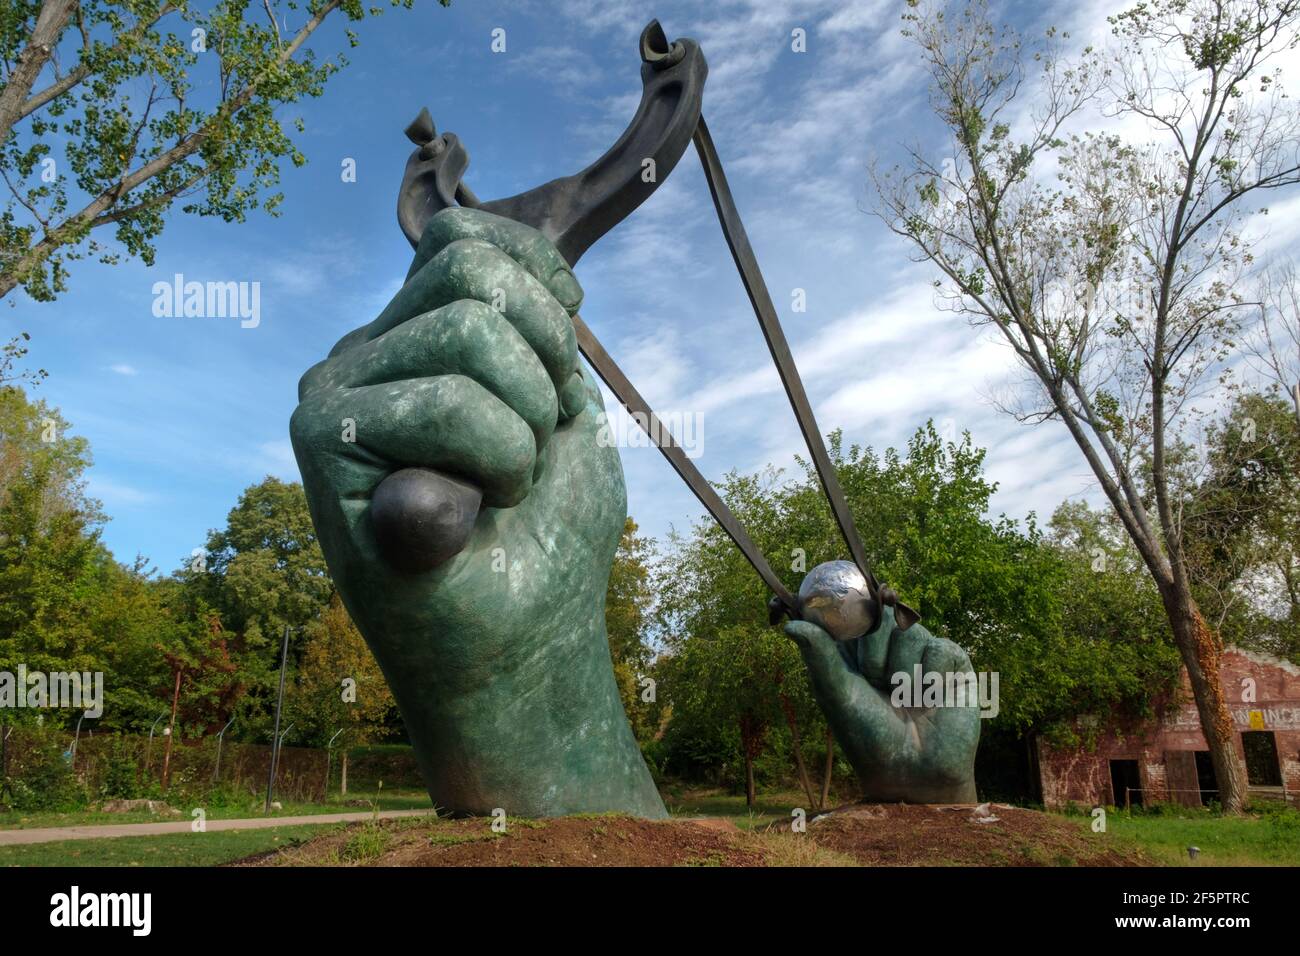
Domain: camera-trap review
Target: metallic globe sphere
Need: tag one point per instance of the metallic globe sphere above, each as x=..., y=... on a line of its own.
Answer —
x=834, y=596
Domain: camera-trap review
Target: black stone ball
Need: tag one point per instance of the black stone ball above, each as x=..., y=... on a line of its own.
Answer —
x=422, y=518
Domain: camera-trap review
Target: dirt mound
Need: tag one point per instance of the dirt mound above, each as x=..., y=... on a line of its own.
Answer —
x=865, y=834
x=963, y=835
x=566, y=841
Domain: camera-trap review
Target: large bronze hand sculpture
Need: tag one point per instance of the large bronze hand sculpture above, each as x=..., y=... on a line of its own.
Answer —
x=467, y=511
x=497, y=657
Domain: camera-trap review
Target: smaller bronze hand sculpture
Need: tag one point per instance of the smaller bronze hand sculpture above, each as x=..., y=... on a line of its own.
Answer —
x=907, y=754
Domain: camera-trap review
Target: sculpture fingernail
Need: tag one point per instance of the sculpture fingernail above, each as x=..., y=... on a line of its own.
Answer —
x=573, y=397
x=566, y=290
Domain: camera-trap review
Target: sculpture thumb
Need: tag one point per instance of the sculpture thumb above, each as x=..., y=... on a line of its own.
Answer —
x=857, y=711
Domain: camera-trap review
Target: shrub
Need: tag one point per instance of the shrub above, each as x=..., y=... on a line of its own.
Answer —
x=43, y=780
x=121, y=776
x=1283, y=820
x=230, y=796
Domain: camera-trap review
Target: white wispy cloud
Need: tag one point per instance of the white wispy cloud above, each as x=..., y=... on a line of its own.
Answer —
x=117, y=494
x=275, y=458
x=563, y=66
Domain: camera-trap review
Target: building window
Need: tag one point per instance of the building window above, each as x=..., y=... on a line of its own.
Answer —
x=1262, y=769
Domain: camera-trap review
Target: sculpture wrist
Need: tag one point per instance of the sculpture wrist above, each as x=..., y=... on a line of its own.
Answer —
x=547, y=737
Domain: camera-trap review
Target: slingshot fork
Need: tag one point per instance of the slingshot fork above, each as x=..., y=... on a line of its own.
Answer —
x=574, y=212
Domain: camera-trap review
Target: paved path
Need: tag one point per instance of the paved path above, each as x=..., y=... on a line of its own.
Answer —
x=109, y=830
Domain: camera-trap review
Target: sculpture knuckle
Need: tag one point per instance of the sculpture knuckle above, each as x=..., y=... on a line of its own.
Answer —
x=519, y=450
x=452, y=391
x=312, y=378
x=466, y=252
x=305, y=426
x=454, y=220
x=467, y=314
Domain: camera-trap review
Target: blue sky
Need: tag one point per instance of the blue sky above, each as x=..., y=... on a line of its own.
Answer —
x=182, y=414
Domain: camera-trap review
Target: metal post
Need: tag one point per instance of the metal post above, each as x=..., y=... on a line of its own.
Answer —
x=76, y=738
x=148, y=752
x=4, y=759
x=216, y=767
x=170, y=733
x=279, y=703
x=275, y=757
x=329, y=755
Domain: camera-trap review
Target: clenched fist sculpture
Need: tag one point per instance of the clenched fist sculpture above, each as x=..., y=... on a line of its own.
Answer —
x=461, y=413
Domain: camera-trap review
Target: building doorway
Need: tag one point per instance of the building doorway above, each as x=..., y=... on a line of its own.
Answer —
x=1180, y=774
x=1125, y=783
x=1205, y=777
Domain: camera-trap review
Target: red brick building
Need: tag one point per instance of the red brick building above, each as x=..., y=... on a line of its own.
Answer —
x=1168, y=761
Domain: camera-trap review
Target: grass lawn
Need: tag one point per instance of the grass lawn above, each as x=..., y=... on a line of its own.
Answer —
x=1267, y=838
x=769, y=807
x=1271, y=838
x=387, y=799
x=172, y=849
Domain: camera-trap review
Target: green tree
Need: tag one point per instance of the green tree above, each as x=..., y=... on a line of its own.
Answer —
x=628, y=602
x=1112, y=653
x=339, y=686
x=210, y=683
x=1066, y=634
x=115, y=84
x=49, y=547
x=13, y=352
x=265, y=566
x=262, y=572
x=139, y=625
x=1242, y=501
x=729, y=685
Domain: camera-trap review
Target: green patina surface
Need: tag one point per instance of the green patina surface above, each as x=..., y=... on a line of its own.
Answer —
x=915, y=755
x=498, y=658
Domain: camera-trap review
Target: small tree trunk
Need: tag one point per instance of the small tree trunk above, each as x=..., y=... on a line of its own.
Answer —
x=747, y=748
x=749, y=780
x=788, y=709
x=828, y=770
x=343, y=786
x=1201, y=653
x=752, y=732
